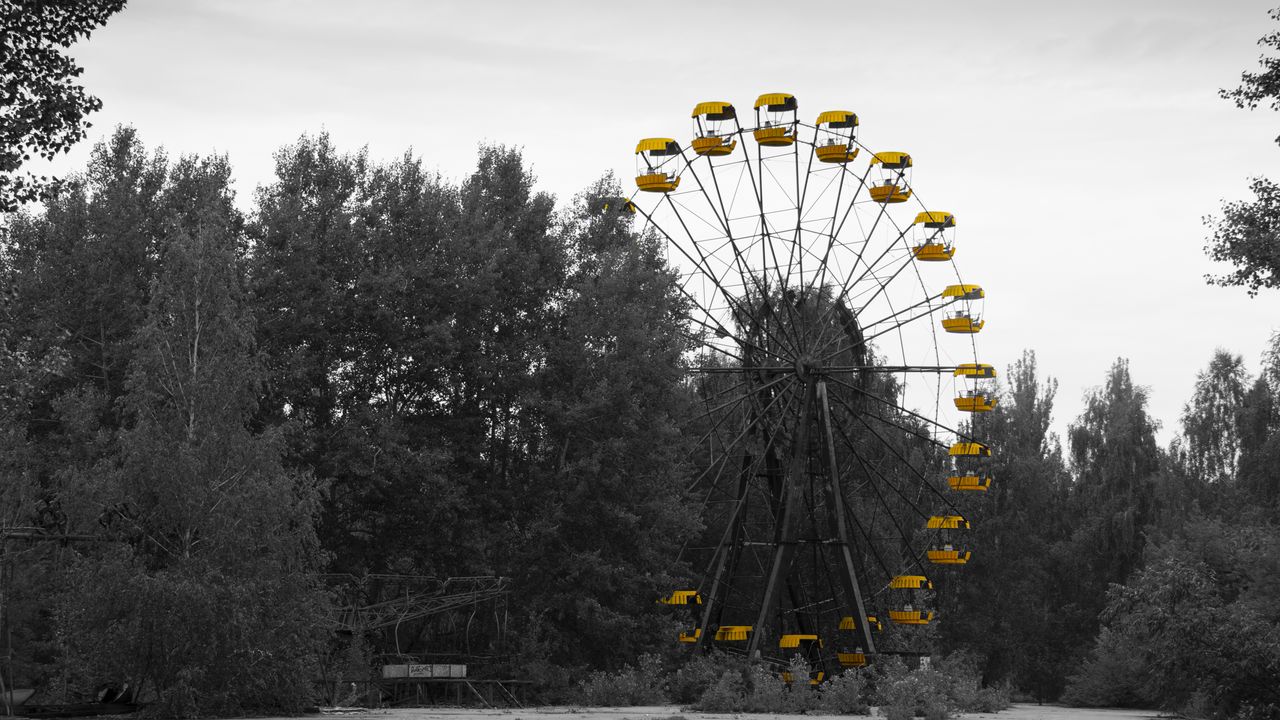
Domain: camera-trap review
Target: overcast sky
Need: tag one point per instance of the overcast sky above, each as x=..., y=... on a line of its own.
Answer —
x=1079, y=144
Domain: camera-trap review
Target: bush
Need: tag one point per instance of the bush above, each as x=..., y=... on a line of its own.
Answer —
x=965, y=692
x=642, y=685
x=727, y=694
x=700, y=674
x=194, y=641
x=845, y=694
x=761, y=689
x=906, y=693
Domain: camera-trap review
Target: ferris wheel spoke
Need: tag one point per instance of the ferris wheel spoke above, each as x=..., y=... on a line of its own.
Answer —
x=717, y=329
x=707, y=272
x=781, y=394
x=924, y=482
x=739, y=255
x=766, y=240
x=744, y=396
x=888, y=509
x=869, y=547
x=718, y=281
x=834, y=229
x=866, y=340
x=851, y=283
x=733, y=525
x=900, y=408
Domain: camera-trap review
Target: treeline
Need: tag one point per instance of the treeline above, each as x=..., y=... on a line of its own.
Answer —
x=375, y=370
x=378, y=370
x=1115, y=571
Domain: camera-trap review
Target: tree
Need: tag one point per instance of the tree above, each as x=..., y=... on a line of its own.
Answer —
x=599, y=539
x=1259, y=476
x=1196, y=627
x=1211, y=419
x=43, y=107
x=1248, y=233
x=1008, y=605
x=1116, y=460
x=209, y=603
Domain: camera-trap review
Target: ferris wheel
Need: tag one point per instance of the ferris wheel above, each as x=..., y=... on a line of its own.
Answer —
x=837, y=368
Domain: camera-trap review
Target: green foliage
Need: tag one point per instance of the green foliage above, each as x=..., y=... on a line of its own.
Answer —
x=844, y=694
x=699, y=674
x=1197, y=626
x=44, y=107
x=206, y=601
x=1246, y=234
x=1211, y=419
x=642, y=684
x=903, y=693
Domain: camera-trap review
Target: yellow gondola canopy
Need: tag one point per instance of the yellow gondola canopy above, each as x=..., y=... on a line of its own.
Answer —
x=715, y=110
x=948, y=522
x=967, y=291
x=969, y=482
x=838, y=119
x=682, y=597
x=911, y=582
x=969, y=449
x=893, y=160
x=793, y=641
x=776, y=102
x=691, y=637
x=975, y=370
x=936, y=219
x=733, y=633
x=658, y=146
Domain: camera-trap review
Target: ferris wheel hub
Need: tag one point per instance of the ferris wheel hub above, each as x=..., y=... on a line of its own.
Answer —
x=807, y=366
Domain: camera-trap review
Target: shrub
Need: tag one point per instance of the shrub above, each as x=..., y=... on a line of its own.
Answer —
x=906, y=693
x=700, y=674
x=727, y=694
x=845, y=694
x=761, y=689
x=640, y=685
x=965, y=692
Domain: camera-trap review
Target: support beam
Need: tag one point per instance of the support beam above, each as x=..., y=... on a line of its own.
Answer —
x=786, y=528
x=839, y=526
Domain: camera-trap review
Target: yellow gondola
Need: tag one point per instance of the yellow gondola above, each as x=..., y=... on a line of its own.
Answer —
x=911, y=616
x=682, y=597
x=847, y=623
x=715, y=126
x=910, y=582
x=852, y=659
x=962, y=321
x=793, y=641
x=969, y=449
x=775, y=119
x=947, y=553
x=947, y=522
x=967, y=291
x=894, y=184
x=975, y=401
x=687, y=637
x=933, y=244
x=969, y=483
x=979, y=371
x=814, y=678
x=835, y=137
x=658, y=165
x=733, y=633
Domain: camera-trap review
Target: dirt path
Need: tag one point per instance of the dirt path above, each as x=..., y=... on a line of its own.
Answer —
x=1017, y=712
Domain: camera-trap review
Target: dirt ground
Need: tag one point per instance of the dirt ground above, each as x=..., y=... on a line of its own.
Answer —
x=1017, y=712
